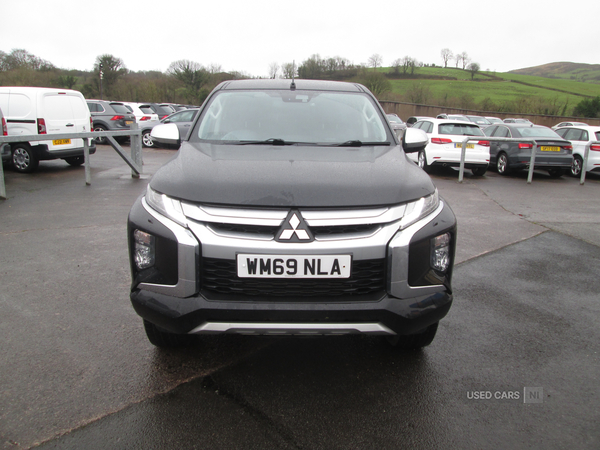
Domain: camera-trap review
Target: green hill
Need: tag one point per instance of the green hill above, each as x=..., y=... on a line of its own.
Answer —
x=555, y=94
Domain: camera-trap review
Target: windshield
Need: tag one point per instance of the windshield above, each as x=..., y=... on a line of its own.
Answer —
x=291, y=117
x=538, y=132
x=459, y=129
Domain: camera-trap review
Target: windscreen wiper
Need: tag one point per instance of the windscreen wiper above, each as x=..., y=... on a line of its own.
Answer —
x=272, y=141
x=357, y=143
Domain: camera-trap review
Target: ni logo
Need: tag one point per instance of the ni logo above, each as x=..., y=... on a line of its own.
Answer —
x=294, y=229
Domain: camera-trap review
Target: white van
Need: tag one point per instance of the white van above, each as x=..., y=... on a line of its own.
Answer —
x=34, y=110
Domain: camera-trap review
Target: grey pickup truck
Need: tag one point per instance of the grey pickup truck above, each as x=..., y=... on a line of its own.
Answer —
x=291, y=208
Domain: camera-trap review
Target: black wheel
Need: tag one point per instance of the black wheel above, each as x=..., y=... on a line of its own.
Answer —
x=162, y=338
x=100, y=140
x=147, y=139
x=576, y=165
x=422, y=161
x=415, y=341
x=502, y=165
x=556, y=173
x=75, y=161
x=479, y=171
x=23, y=159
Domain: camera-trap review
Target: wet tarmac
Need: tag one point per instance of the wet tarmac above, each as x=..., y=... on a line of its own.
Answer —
x=514, y=365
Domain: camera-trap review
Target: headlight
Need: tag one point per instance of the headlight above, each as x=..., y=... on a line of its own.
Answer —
x=166, y=205
x=419, y=209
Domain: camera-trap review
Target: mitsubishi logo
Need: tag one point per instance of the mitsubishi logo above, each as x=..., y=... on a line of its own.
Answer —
x=294, y=229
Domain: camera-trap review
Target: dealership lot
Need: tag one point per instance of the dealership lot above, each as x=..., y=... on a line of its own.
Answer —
x=78, y=372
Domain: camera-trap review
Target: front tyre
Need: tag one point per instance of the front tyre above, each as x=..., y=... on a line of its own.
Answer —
x=422, y=161
x=162, y=338
x=100, y=140
x=23, y=159
x=415, y=341
x=147, y=139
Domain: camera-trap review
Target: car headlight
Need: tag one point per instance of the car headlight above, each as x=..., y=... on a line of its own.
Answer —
x=419, y=209
x=165, y=205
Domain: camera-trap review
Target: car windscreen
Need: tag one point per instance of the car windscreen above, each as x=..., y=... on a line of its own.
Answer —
x=314, y=117
x=538, y=132
x=460, y=129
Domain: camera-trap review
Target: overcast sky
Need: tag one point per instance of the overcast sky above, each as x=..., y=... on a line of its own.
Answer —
x=248, y=36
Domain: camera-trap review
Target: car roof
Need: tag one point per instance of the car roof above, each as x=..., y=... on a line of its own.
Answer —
x=452, y=121
x=583, y=127
x=279, y=84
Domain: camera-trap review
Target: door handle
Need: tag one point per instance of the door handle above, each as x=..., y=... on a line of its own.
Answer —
x=70, y=125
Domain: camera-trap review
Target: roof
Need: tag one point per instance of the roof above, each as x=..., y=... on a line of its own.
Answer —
x=278, y=84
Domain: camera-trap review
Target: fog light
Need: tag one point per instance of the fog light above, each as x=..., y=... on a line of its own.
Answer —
x=440, y=252
x=144, y=249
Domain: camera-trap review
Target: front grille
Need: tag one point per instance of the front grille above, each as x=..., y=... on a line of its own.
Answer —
x=324, y=231
x=220, y=276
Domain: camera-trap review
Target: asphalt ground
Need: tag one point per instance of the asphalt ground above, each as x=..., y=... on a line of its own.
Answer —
x=515, y=364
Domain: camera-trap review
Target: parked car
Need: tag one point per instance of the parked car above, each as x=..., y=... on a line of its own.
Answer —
x=291, y=208
x=513, y=120
x=397, y=124
x=494, y=119
x=140, y=116
x=570, y=124
x=4, y=148
x=453, y=117
x=155, y=108
x=183, y=119
x=110, y=116
x=414, y=119
x=553, y=154
x=445, y=145
x=580, y=136
x=479, y=120
x=35, y=110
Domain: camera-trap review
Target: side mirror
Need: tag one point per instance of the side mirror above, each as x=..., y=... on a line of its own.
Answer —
x=166, y=134
x=414, y=140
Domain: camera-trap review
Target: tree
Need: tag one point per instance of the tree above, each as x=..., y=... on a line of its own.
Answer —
x=447, y=55
x=473, y=68
x=376, y=82
x=396, y=65
x=462, y=58
x=273, y=70
x=109, y=69
x=375, y=61
x=289, y=70
x=588, y=107
x=192, y=75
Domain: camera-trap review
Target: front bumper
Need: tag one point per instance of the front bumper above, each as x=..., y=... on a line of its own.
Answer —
x=173, y=297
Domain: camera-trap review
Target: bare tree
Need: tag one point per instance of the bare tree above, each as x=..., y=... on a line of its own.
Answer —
x=215, y=68
x=464, y=58
x=273, y=70
x=396, y=65
x=447, y=55
x=375, y=61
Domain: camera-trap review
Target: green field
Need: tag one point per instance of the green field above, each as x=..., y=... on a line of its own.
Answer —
x=505, y=91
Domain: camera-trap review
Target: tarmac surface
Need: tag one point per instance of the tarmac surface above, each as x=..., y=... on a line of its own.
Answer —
x=515, y=364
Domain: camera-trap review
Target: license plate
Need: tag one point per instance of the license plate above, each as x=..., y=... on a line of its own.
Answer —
x=128, y=122
x=293, y=266
x=550, y=149
x=459, y=145
x=61, y=141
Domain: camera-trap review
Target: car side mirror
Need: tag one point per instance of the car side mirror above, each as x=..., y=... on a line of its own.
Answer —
x=414, y=140
x=167, y=133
